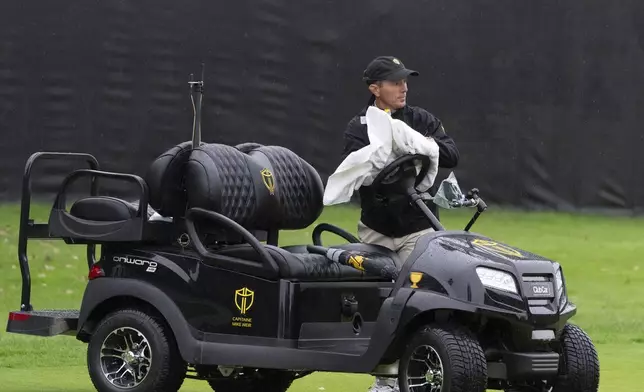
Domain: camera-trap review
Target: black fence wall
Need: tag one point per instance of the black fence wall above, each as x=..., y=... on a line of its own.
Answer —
x=544, y=98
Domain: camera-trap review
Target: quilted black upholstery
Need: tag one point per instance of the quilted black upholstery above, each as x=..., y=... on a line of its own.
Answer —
x=223, y=179
x=267, y=188
x=299, y=188
x=300, y=266
x=165, y=181
x=247, y=147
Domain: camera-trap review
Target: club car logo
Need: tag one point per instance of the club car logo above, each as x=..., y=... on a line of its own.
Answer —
x=151, y=265
x=540, y=290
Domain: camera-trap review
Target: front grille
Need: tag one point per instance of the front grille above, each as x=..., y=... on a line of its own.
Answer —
x=537, y=278
x=558, y=285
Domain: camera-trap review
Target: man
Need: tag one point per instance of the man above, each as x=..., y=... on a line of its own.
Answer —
x=396, y=224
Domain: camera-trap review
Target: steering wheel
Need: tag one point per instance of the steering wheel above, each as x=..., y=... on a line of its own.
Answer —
x=403, y=168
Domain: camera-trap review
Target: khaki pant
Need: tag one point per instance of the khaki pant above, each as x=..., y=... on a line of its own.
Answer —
x=403, y=246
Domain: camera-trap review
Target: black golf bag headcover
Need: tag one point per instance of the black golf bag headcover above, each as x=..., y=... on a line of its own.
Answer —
x=373, y=264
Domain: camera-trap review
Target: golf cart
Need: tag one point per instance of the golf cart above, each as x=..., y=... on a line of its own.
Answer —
x=191, y=282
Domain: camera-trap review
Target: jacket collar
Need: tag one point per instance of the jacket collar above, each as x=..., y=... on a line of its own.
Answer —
x=397, y=114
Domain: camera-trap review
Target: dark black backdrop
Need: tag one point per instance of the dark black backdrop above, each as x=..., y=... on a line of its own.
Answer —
x=543, y=97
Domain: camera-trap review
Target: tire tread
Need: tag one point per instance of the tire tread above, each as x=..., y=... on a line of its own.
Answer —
x=172, y=374
x=581, y=360
x=467, y=364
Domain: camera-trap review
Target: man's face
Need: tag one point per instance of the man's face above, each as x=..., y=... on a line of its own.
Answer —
x=393, y=94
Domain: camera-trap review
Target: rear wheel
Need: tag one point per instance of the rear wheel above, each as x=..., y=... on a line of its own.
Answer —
x=443, y=358
x=255, y=381
x=131, y=351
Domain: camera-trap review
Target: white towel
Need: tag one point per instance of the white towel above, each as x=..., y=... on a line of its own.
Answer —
x=389, y=139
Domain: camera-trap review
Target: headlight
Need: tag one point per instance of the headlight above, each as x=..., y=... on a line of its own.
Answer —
x=497, y=279
x=561, y=294
x=559, y=278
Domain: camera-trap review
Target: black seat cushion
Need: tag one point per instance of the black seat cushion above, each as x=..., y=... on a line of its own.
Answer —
x=106, y=209
x=300, y=266
x=103, y=209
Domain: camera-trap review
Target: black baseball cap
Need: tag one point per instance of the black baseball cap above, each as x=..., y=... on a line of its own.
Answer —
x=386, y=68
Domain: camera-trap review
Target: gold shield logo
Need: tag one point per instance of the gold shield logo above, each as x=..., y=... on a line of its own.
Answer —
x=269, y=180
x=244, y=299
x=497, y=248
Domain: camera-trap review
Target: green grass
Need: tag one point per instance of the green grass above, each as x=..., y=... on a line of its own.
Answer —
x=602, y=259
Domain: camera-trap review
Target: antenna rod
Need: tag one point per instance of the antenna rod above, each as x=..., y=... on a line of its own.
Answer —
x=196, y=95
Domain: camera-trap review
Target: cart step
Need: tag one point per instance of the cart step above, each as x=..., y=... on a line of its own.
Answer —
x=43, y=322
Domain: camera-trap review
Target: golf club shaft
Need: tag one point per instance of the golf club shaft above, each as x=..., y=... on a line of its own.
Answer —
x=196, y=126
x=421, y=204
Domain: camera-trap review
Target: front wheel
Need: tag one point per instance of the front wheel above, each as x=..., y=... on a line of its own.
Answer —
x=579, y=365
x=131, y=351
x=443, y=358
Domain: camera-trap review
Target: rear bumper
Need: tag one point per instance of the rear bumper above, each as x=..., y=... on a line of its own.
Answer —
x=43, y=322
x=524, y=366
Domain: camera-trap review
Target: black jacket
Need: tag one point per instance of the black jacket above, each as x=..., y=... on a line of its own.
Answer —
x=397, y=217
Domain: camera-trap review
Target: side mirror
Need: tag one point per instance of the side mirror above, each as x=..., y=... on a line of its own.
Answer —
x=449, y=194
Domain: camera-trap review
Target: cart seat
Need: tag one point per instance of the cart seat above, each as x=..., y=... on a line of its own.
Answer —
x=300, y=266
x=105, y=209
x=262, y=188
x=101, y=219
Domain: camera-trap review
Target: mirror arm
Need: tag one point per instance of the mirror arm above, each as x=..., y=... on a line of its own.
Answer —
x=480, y=207
x=471, y=222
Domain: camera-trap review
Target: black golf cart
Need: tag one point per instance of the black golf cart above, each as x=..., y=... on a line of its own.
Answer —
x=192, y=282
